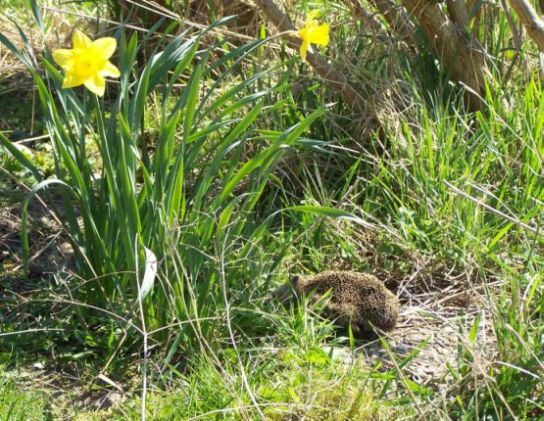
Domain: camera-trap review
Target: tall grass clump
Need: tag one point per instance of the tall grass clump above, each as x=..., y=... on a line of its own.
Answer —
x=154, y=222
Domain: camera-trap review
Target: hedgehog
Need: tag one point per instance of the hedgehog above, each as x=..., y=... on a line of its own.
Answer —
x=358, y=300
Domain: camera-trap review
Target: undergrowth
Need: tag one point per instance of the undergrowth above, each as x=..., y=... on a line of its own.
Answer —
x=233, y=167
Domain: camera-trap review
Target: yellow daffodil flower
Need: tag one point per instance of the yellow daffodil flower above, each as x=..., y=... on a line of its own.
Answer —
x=87, y=63
x=313, y=33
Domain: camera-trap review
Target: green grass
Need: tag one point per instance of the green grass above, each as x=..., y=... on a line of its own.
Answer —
x=17, y=404
x=232, y=212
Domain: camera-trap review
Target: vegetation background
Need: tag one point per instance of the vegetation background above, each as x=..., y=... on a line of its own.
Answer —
x=141, y=234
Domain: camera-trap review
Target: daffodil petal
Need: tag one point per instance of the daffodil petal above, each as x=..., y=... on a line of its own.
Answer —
x=96, y=84
x=313, y=33
x=63, y=57
x=105, y=47
x=304, y=49
x=320, y=35
x=71, y=81
x=87, y=63
x=80, y=40
x=110, y=70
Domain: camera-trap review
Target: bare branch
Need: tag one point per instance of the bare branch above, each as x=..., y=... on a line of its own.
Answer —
x=532, y=23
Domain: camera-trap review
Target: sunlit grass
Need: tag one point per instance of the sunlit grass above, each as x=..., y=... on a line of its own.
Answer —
x=214, y=166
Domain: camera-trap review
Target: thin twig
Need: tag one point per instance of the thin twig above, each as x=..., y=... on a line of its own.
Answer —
x=32, y=331
x=141, y=29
